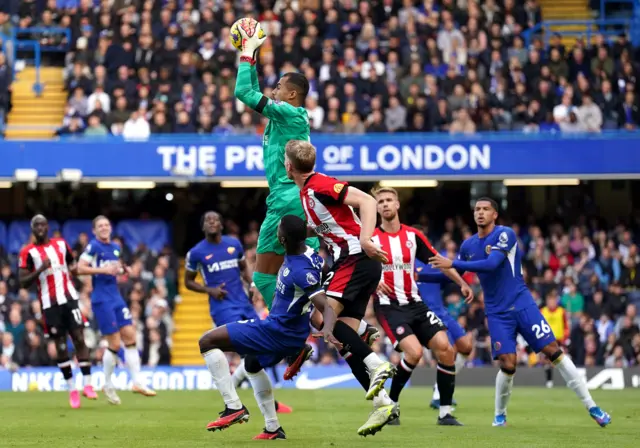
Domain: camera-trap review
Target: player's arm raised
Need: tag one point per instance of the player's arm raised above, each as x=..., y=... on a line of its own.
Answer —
x=368, y=215
x=26, y=273
x=425, y=250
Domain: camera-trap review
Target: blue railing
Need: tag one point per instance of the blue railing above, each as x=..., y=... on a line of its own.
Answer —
x=608, y=28
x=603, y=5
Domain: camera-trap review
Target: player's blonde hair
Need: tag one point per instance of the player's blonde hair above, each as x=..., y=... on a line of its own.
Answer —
x=302, y=155
x=375, y=191
x=98, y=219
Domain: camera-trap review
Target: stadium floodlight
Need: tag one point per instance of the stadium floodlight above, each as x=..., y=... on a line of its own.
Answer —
x=26, y=175
x=409, y=183
x=71, y=175
x=244, y=184
x=126, y=185
x=549, y=182
x=5, y=184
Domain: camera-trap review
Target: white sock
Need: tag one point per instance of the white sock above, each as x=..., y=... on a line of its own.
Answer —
x=70, y=384
x=372, y=361
x=239, y=375
x=574, y=381
x=382, y=399
x=86, y=380
x=504, y=384
x=263, y=392
x=109, y=365
x=219, y=367
x=460, y=362
x=436, y=392
x=362, y=328
x=132, y=361
x=443, y=411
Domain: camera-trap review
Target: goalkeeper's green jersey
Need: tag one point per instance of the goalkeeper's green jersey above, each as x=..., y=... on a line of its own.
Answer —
x=286, y=122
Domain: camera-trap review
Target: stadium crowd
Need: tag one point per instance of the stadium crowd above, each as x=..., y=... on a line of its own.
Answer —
x=138, y=68
x=150, y=291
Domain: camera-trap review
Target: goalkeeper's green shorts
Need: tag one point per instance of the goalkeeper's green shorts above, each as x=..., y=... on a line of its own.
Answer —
x=287, y=202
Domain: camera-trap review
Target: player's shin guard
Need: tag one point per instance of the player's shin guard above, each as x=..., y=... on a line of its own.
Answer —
x=109, y=360
x=85, y=368
x=504, y=385
x=266, y=284
x=403, y=374
x=219, y=368
x=64, y=365
x=263, y=391
x=355, y=345
x=446, y=378
x=132, y=360
x=574, y=381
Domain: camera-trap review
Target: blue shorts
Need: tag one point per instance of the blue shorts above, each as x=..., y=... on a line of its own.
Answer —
x=229, y=315
x=529, y=322
x=454, y=330
x=111, y=315
x=264, y=340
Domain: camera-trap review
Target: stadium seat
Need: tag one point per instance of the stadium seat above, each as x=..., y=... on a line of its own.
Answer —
x=153, y=234
x=19, y=232
x=74, y=227
x=3, y=235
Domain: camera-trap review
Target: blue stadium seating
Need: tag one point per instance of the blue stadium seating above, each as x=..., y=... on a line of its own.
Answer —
x=153, y=234
x=74, y=227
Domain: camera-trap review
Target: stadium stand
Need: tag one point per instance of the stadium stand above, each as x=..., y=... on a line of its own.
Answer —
x=383, y=66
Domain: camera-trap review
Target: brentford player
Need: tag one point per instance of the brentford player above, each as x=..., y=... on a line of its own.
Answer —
x=356, y=270
x=49, y=262
x=409, y=323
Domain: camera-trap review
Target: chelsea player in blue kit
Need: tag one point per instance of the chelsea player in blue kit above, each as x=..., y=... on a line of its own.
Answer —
x=101, y=260
x=267, y=342
x=221, y=263
x=510, y=309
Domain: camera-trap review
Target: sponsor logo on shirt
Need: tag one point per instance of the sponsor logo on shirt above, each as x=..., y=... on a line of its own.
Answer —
x=231, y=250
x=338, y=188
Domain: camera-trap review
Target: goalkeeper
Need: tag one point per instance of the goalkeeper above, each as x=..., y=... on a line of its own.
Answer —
x=288, y=120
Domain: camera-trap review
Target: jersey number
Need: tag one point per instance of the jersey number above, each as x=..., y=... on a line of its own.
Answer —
x=328, y=279
x=77, y=316
x=541, y=330
x=433, y=319
x=126, y=313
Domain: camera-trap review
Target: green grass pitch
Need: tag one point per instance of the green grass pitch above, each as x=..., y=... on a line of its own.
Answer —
x=323, y=418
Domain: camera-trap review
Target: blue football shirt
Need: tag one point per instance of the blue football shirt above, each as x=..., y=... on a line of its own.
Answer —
x=299, y=280
x=431, y=293
x=218, y=264
x=504, y=287
x=98, y=254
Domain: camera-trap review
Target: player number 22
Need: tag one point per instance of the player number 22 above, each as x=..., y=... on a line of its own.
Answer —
x=541, y=330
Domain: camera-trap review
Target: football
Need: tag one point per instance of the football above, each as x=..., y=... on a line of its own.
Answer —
x=249, y=25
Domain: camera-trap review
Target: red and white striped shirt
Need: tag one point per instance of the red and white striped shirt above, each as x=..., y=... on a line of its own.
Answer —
x=54, y=284
x=403, y=248
x=335, y=222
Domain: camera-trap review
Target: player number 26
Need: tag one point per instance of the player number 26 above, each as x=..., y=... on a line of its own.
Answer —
x=541, y=330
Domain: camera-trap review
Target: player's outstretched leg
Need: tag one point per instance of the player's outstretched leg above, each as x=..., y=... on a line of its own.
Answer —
x=212, y=344
x=575, y=382
x=109, y=361
x=379, y=370
x=82, y=353
x=263, y=391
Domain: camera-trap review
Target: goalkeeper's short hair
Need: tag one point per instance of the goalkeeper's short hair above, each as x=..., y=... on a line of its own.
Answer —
x=299, y=82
